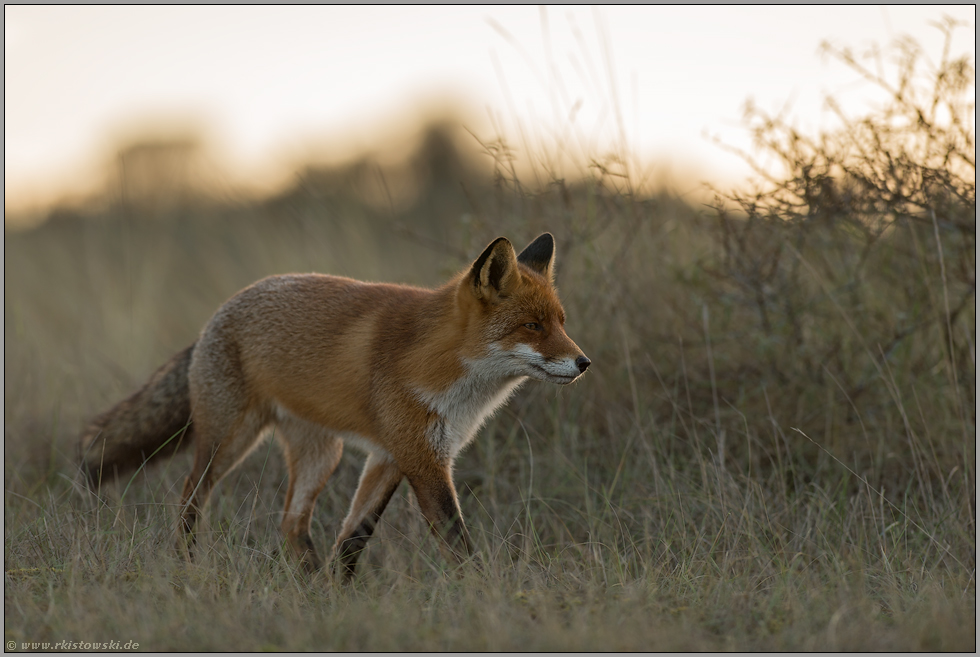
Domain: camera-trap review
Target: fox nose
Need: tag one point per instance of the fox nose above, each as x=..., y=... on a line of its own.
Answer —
x=583, y=363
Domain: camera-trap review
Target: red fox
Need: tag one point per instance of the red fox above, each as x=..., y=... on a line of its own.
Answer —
x=404, y=373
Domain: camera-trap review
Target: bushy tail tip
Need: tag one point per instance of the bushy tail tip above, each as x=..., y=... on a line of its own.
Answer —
x=151, y=423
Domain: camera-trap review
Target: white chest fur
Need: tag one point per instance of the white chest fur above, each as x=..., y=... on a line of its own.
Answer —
x=466, y=404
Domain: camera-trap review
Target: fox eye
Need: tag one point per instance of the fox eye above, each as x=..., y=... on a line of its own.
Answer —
x=534, y=326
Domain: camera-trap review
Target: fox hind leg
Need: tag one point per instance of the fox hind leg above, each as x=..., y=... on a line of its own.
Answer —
x=223, y=441
x=312, y=454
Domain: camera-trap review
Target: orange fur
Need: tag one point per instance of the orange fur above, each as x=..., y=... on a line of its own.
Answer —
x=407, y=374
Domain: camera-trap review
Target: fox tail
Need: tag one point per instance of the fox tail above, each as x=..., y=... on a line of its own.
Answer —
x=151, y=423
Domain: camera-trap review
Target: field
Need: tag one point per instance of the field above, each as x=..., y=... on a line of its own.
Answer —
x=774, y=448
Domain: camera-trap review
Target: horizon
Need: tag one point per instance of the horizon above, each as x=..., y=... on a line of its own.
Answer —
x=577, y=82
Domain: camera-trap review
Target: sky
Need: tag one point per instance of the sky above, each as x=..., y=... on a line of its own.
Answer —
x=273, y=87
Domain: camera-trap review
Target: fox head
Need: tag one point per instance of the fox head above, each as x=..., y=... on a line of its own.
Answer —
x=514, y=315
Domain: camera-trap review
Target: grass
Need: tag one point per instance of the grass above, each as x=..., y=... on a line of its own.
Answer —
x=774, y=448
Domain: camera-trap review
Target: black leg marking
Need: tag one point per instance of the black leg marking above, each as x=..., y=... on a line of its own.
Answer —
x=350, y=548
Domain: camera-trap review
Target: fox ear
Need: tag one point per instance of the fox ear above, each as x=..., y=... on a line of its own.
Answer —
x=539, y=255
x=494, y=273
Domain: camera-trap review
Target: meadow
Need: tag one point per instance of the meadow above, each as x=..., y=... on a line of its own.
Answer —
x=774, y=449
